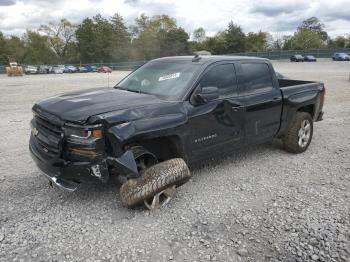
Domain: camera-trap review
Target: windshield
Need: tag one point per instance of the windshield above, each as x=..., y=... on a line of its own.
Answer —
x=168, y=79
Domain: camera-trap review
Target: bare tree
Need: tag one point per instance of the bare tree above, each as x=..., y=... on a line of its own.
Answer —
x=60, y=35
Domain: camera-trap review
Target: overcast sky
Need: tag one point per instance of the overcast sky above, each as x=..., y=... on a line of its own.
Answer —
x=281, y=16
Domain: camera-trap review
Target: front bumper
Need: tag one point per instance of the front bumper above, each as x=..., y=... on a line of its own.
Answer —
x=68, y=175
x=65, y=174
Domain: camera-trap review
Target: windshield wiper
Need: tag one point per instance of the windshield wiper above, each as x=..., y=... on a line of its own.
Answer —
x=126, y=89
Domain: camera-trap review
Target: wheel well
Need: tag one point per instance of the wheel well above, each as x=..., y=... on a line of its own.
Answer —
x=163, y=148
x=308, y=109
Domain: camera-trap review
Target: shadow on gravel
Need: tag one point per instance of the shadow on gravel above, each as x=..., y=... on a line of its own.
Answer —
x=238, y=155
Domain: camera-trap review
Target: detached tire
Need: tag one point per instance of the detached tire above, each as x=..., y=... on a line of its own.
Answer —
x=299, y=134
x=154, y=180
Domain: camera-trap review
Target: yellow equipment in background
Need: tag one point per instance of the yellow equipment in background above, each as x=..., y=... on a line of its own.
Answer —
x=14, y=69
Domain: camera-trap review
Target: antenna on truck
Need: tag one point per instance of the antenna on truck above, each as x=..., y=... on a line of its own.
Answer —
x=196, y=58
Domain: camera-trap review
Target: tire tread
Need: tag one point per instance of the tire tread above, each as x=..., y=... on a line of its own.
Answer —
x=153, y=180
x=290, y=141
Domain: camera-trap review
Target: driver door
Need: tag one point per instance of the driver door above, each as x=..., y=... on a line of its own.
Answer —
x=216, y=126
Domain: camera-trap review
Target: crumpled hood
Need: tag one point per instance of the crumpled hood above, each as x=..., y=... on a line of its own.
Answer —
x=79, y=106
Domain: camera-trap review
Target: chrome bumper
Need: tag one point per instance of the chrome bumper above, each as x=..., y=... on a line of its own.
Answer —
x=66, y=185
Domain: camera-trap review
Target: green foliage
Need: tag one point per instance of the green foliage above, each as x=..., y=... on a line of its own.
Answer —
x=158, y=36
x=256, y=41
x=102, y=40
x=15, y=49
x=310, y=34
x=313, y=24
x=340, y=42
x=31, y=48
x=175, y=42
x=304, y=39
x=3, y=54
x=232, y=40
x=199, y=35
x=37, y=49
x=216, y=45
x=235, y=39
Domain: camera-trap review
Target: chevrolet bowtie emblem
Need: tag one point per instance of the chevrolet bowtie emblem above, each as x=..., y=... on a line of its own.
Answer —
x=35, y=131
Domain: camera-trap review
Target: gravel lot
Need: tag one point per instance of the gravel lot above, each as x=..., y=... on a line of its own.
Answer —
x=259, y=204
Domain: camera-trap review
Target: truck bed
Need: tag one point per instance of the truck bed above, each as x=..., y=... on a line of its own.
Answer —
x=299, y=94
x=290, y=87
x=292, y=82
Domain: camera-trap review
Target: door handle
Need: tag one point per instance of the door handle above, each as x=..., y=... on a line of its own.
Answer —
x=275, y=100
x=236, y=108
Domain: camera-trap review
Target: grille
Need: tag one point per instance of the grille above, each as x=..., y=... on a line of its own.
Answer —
x=49, y=136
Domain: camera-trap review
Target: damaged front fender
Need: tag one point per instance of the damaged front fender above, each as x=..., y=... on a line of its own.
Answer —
x=125, y=164
x=126, y=127
x=130, y=129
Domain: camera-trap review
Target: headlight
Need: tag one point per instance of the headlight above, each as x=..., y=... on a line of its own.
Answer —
x=82, y=134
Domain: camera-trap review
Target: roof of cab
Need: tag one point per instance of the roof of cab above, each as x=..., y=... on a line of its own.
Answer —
x=209, y=59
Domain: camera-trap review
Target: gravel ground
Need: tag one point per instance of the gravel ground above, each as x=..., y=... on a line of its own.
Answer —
x=259, y=204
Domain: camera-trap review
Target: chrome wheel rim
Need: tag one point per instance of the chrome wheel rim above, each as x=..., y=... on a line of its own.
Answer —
x=304, y=133
x=160, y=199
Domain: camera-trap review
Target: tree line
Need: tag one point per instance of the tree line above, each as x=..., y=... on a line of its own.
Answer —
x=101, y=40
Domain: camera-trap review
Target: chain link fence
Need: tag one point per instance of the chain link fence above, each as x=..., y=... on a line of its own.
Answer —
x=273, y=55
x=120, y=66
x=286, y=54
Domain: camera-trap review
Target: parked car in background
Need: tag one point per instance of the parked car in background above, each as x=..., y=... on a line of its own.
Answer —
x=310, y=58
x=70, y=69
x=104, y=69
x=297, y=58
x=61, y=67
x=57, y=70
x=280, y=76
x=91, y=68
x=341, y=57
x=82, y=69
x=30, y=70
x=43, y=69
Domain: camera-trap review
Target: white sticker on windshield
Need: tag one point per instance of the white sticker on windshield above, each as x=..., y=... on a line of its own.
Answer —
x=167, y=77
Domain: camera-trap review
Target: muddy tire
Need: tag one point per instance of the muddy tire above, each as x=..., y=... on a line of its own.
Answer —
x=154, y=180
x=299, y=134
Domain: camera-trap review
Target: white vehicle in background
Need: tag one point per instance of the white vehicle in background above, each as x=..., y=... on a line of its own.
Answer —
x=61, y=67
x=70, y=69
x=30, y=70
x=58, y=69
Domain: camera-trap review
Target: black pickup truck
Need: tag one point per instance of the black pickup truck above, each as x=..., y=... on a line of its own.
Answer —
x=166, y=114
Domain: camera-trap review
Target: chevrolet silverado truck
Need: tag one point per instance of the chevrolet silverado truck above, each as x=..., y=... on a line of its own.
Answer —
x=165, y=115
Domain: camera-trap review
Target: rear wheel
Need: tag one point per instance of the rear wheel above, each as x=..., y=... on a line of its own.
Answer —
x=156, y=185
x=299, y=134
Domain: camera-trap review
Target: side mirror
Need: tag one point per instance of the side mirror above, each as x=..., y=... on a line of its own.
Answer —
x=205, y=94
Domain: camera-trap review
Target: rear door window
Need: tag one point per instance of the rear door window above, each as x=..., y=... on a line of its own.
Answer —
x=257, y=78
